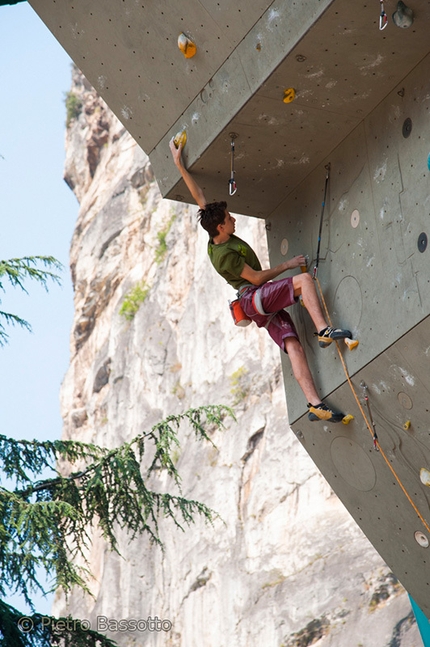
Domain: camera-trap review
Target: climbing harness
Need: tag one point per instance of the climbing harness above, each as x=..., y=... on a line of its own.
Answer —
x=383, y=18
x=232, y=186
x=366, y=399
x=257, y=303
x=327, y=176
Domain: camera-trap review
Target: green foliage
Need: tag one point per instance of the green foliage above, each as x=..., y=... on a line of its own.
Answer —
x=44, y=523
x=239, y=384
x=161, y=250
x=16, y=270
x=133, y=300
x=73, y=107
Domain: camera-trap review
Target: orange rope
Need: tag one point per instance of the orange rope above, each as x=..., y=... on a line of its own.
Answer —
x=368, y=425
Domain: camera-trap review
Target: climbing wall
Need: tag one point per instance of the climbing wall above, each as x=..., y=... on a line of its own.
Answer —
x=374, y=275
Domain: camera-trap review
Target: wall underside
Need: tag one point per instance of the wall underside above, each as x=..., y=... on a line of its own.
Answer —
x=248, y=53
x=374, y=273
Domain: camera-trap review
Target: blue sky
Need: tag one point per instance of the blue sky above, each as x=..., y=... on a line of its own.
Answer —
x=37, y=215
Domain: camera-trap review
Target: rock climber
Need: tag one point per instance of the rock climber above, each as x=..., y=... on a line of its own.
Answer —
x=262, y=299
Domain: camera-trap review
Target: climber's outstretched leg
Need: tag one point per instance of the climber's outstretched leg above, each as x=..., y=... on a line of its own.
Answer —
x=317, y=409
x=304, y=285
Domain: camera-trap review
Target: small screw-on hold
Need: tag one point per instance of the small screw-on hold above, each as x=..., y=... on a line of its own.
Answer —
x=401, y=92
x=425, y=476
x=407, y=425
x=289, y=95
x=268, y=226
x=407, y=127
x=347, y=419
x=300, y=58
x=421, y=539
x=422, y=242
x=233, y=136
x=299, y=434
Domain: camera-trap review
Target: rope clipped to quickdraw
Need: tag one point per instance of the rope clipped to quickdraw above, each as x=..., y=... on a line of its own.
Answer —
x=327, y=177
x=383, y=18
x=372, y=422
x=232, y=186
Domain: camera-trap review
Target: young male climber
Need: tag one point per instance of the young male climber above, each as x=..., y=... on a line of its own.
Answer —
x=262, y=299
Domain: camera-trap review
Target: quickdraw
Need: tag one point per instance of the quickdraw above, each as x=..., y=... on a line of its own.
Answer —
x=383, y=18
x=366, y=399
x=327, y=176
x=232, y=186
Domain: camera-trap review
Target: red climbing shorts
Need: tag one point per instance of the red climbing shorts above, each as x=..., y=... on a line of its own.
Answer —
x=275, y=296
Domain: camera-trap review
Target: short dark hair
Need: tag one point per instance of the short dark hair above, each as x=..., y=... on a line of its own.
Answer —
x=211, y=216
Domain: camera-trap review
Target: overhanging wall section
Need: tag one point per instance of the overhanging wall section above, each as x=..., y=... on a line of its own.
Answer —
x=374, y=273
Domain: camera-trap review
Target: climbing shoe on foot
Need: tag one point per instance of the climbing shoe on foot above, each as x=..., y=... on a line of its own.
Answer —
x=322, y=412
x=329, y=334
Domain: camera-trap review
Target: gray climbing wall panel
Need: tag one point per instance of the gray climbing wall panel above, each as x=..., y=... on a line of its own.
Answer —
x=399, y=394
x=374, y=274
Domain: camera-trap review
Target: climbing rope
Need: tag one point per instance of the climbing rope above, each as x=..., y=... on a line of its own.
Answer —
x=368, y=424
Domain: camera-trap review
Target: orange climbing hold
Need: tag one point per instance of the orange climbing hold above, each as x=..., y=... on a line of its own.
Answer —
x=186, y=45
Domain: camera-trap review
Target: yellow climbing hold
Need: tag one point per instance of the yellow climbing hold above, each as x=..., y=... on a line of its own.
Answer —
x=289, y=95
x=407, y=425
x=351, y=343
x=347, y=419
x=186, y=45
x=180, y=139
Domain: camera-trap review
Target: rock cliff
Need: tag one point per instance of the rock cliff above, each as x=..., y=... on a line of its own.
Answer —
x=286, y=566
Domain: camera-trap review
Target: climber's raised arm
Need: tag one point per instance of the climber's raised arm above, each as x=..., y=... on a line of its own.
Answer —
x=192, y=185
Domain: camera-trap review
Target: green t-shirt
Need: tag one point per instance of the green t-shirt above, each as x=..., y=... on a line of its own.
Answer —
x=229, y=259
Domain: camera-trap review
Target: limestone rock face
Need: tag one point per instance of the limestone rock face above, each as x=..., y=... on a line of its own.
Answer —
x=286, y=565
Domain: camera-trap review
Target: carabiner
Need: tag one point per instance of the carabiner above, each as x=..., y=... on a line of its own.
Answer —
x=232, y=186
x=383, y=18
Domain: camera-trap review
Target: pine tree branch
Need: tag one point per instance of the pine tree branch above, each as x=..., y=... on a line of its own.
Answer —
x=46, y=523
x=18, y=269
